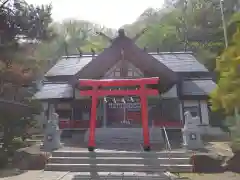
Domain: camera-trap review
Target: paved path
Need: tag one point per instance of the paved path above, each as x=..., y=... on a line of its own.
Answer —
x=37, y=175
x=40, y=175
x=48, y=175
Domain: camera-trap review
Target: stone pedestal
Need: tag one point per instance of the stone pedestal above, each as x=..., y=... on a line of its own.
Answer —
x=192, y=140
x=191, y=134
x=52, y=138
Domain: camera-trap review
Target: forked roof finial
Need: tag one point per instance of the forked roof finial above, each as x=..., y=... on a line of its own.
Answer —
x=121, y=32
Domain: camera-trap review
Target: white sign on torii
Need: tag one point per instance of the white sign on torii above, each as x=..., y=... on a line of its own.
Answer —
x=124, y=105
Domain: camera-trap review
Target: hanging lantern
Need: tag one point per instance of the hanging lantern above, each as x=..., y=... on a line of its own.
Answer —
x=131, y=98
x=105, y=99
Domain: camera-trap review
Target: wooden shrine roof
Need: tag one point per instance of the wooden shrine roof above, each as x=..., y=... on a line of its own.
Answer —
x=165, y=65
x=55, y=91
x=197, y=87
x=175, y=61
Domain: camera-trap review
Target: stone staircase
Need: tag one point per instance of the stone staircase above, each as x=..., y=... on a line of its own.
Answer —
x=119, y=155
x=109, y=176
x=111, y=163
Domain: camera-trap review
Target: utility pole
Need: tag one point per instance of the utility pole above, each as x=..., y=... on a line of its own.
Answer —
x=185, y=25
x=224, y=24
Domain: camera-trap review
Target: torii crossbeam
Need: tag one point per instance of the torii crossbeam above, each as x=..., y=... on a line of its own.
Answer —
x=142, y=92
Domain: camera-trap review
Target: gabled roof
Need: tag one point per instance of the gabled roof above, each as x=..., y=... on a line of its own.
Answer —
x=165, y=65
x=95, y=67
x=175, y=61
x=54, y=91
x=180, y=61
x=124, y=47
x=69, y=66
x=198, y=87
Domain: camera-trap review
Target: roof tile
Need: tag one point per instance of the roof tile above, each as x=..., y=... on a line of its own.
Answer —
x=198, y=87
x=177, y=62
x=180, y=62
x=69, y=66
x=54, y=91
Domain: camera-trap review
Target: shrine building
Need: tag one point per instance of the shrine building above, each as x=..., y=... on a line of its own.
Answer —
x=184, y=85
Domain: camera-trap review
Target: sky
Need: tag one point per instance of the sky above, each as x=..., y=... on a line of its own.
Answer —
x=110, y=13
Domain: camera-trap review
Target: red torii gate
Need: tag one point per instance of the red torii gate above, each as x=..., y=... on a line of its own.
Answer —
x=142, y=92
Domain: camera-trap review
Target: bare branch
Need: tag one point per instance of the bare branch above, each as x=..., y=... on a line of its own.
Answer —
x=4, y=3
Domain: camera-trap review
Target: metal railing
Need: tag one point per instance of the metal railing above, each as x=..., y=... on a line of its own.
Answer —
x=168, y=145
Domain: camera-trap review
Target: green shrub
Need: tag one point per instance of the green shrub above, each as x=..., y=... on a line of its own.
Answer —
x=235, y=144
x=217, y=118
x=18, y=143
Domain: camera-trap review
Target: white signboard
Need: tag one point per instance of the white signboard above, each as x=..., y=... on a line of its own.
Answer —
x=124, y=105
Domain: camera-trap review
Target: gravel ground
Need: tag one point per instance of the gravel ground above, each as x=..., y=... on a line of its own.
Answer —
x=221, y=176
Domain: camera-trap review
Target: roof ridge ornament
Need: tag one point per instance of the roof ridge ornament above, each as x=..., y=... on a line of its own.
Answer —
x=138, y=35
x=93, y=52
x=145, y=49
x=121, y=32
x=104, y=36
x=65, y=44
x=80, y=52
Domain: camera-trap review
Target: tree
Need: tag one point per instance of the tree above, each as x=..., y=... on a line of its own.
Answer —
x=22, y=26
x=71, y=37
x=227, y=93
x=226, y=96
x=193, y=26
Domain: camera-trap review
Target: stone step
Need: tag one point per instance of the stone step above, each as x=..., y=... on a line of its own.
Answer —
x=114, y=153
x=119, y=160
x=116, y=176
x=124, y=135
x=119, y=168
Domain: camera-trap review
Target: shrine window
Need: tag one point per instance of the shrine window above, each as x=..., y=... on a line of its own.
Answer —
x=117, y=73
x=85, y=115
x=64, y=114
x=64, y=110
x=194, y=110
x=130, y=73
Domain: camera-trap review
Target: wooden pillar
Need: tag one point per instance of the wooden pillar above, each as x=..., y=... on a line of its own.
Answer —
x=91, y=140
x=104, y=114
x=144, y=111
x=51, y=110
